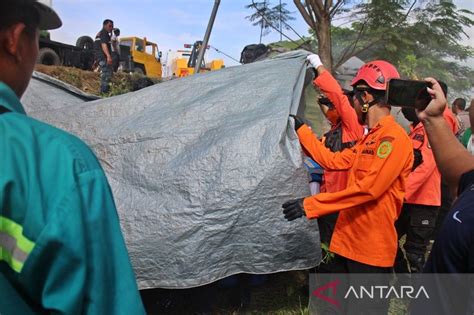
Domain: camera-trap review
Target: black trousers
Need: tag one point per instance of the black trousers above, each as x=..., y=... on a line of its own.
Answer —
x=326, y=226
x=447, y=198
x=417, y=222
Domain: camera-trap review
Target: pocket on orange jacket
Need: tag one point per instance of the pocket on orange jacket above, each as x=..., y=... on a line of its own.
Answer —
x=363, y=166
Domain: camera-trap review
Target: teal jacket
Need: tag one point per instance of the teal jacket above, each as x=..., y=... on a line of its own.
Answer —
x=61, y=247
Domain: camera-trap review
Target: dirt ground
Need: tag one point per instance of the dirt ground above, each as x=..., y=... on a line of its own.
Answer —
x=89, y=81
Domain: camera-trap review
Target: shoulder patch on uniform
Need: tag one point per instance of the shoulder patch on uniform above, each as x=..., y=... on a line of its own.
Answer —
x=384, y=149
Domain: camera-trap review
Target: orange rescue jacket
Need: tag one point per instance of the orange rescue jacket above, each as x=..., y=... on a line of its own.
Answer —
x=379, y=165
x=424, y=183
x=351, y=129
x=451, y=119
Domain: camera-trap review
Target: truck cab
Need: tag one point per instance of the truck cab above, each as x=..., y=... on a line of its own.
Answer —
x=145, y=58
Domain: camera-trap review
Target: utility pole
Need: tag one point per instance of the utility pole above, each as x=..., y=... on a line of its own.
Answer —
x=197, y=67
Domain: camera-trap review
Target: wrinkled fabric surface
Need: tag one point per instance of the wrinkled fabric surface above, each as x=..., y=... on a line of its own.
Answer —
x=199, y=168
x=47, y=93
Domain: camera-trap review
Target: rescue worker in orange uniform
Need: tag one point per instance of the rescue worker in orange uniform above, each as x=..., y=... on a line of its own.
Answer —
x=423, y=196
x=364, y=239
x=422, y=200
x=344, y=133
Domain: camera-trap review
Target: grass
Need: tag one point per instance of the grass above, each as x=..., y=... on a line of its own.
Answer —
x=89, y=81
x=282, y=293
x=285, y=293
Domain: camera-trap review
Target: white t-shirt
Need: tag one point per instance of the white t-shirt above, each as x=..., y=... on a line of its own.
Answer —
x=115, y=44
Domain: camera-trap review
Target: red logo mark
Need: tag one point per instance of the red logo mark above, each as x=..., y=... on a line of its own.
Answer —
x=331, y=285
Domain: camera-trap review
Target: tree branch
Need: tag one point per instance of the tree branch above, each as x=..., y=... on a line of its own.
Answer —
x=352, y=46
x=327, y=5
x=307, y=18
x=370, y=45
x=318, y=4
x=335, y=8
x=313, y=10
x=346, y=56
x=272, y=26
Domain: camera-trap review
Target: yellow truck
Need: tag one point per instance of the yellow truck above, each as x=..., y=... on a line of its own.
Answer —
x=141, y=56
x=183, y=67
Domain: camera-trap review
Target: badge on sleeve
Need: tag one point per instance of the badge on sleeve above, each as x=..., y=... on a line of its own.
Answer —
x=384, y=149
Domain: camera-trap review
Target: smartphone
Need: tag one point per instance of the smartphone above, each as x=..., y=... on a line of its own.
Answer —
x=408, y=93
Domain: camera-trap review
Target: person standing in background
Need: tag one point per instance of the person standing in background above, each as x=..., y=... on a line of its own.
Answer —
x=103, y=51
x=462, y=116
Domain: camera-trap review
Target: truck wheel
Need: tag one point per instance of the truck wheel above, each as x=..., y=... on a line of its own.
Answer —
x=47, y=56
x=85, y=42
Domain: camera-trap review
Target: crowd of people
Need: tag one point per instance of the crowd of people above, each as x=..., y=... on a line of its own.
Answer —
x=61, y=247
x=389, y=181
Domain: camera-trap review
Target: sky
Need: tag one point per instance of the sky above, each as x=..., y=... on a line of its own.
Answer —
x=171, y=24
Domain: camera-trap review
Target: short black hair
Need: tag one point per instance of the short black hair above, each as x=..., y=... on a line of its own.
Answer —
x=460, y=103
x=107, y=21
x=19, y=11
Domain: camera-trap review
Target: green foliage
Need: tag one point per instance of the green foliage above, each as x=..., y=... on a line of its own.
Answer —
x=327, y=255
x=421, y=39
x=124, y=83
x=269, y=18
x=44, y=34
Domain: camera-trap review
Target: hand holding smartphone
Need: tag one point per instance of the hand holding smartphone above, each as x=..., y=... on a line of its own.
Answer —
x=409, y=93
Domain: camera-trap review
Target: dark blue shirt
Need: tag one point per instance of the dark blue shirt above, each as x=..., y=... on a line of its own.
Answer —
x=449, y=270
x=453, y=250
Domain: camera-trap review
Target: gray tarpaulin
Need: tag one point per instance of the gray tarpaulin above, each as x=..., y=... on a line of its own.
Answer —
x=47, y=93
x=199, y=168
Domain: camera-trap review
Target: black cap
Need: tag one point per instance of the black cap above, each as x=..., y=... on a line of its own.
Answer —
x=49, y=19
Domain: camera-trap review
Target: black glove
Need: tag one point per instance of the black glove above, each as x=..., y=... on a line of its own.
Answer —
x=293, y=209
x=298, y=122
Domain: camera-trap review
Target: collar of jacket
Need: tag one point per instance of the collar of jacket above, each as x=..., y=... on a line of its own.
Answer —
x=384, y=121
x=9, y=99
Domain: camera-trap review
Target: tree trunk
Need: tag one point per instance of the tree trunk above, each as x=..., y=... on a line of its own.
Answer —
x=323, y=34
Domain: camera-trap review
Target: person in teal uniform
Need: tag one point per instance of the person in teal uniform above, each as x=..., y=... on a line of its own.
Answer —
x=61, y=247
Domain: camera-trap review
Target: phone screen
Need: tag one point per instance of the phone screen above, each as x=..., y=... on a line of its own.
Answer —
x=408, y=93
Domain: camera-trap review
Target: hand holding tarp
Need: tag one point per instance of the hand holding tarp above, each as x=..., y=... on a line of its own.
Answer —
x=314, y=60
x=298, y=122
x=293, y=209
